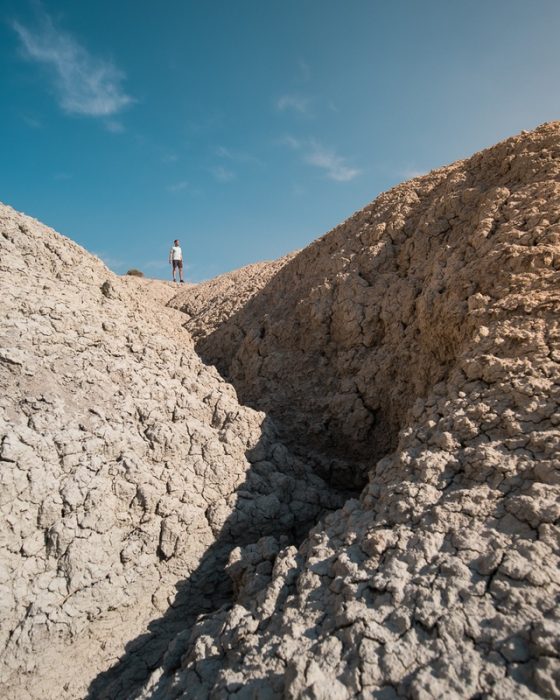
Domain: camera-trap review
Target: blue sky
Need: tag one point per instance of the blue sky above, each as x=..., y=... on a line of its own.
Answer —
x=247, y=128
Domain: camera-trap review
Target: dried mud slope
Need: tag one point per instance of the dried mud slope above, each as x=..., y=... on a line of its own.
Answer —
x=128, y=472
x=209, y=304
x=418, y=343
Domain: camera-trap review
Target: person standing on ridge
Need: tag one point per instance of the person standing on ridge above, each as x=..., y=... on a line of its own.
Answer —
x=176, y=260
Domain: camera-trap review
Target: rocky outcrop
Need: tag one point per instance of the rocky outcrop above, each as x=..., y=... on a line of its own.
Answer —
x=129, y=471
x=420, y=343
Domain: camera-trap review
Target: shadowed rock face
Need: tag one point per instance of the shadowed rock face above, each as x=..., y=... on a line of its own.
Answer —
x=412, y=353
x=339, y=345
x=425, y=331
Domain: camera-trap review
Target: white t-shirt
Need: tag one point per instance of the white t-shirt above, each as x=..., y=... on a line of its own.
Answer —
x=176, y=253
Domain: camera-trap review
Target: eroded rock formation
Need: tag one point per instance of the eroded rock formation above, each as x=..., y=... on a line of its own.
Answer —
x=208, y=304
x=420, y=339
x=341, y=342
x=411, y=355
x=128, y=472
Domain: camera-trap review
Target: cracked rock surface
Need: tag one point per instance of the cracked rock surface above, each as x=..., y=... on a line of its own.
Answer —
x=418, y=344
x=343, y=340
x=128, y=473
x=209, y=304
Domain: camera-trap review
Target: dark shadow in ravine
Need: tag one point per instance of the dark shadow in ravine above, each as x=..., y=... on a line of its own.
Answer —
x=300, y=388
x=281, y=359
x=208, y=588
x=330, y=347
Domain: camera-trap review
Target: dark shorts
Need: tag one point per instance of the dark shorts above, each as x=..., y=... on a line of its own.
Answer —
x=177, y=264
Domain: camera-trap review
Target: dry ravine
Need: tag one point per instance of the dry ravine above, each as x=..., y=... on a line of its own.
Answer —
x=332, y=476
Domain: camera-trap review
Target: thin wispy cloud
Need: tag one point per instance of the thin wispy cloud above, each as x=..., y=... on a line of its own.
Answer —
x=222, y=174
x=291, y=141
x=294, y=103
x=236, y=156
x=298, y=190
x=223, y=152
x=179, y=186
x=334, y=166
x=204, y=125
x=32, y=122
x=114, y=126
x=304, y=70
x=84, y=84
